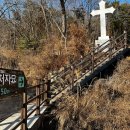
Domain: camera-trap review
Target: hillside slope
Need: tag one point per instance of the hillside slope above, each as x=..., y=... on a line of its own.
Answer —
x=105, y=106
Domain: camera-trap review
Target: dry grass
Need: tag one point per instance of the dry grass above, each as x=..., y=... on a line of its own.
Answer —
x=8, y=53
x=105, y=106
x=79, y=41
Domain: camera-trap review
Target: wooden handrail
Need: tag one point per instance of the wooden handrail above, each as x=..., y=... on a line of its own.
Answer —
x=24, y=115
x=68, y=69
x=89, y=63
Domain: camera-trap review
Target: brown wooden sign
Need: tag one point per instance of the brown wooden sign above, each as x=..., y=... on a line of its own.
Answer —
x=11, y=81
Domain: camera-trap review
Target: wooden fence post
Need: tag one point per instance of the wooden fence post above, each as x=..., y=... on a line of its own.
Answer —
x=92, y=60
x=42, y=82
x=110, y=48
x=125, y=39
x=38, y=99
x=24, y=111
x=72, y=81
x=47, y=91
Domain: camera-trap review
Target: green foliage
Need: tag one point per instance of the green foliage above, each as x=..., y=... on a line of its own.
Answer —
x=120, y=18
x=116, y=4
x=24, y=44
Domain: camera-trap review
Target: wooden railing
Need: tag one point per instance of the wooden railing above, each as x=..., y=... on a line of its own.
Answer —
x=69, y=77
x=41, y=97
x=92, y=60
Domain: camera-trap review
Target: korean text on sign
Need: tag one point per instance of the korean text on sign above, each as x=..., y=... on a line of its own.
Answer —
x=7, y=79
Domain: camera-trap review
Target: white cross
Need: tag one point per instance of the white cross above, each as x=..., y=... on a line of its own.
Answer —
x=102, y=12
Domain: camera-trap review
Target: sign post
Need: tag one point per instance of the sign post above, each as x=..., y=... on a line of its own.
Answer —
x=13, y=82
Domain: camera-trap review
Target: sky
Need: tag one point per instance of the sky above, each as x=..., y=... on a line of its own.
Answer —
x=122, y=1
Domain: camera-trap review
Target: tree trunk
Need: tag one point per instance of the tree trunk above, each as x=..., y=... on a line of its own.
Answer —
x=64, y=21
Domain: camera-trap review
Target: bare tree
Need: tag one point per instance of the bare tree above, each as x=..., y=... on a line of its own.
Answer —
x=64, y=21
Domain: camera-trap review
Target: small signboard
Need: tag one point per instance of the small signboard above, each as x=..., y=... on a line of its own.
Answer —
x=11, y=81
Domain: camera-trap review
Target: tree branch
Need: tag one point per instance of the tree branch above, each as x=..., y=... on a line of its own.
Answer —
x=6, y=10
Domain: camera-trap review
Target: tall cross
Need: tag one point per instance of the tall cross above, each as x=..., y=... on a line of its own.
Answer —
x=102, y=12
